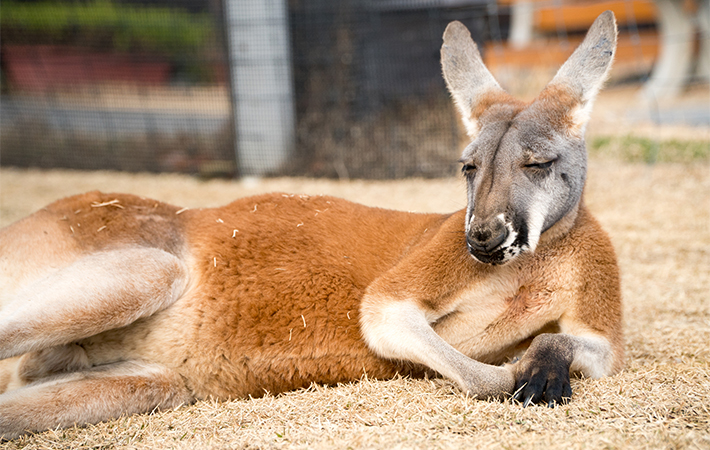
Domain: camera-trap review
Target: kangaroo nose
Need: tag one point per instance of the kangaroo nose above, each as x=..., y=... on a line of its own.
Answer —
x=488, y=237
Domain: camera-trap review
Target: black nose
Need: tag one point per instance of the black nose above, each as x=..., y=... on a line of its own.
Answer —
x=487, y=238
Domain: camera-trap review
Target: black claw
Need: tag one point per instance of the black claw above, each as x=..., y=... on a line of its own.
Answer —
x=518, y=394
x=554, y=389
x=528, y=401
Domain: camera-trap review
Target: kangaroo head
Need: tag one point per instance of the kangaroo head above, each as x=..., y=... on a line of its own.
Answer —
x=526, y=166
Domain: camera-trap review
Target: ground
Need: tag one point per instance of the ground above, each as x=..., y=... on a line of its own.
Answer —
x=659, y=219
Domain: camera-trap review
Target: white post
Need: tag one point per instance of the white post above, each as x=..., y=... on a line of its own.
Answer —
x=672, y=69
x=522, y=19
x=262, y=85
x=703, y=68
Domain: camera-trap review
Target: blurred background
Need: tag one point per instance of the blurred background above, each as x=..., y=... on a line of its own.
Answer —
x=323, y=88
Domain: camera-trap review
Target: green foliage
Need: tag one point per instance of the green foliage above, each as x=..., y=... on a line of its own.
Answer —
x=643, y=149
x=124, y=27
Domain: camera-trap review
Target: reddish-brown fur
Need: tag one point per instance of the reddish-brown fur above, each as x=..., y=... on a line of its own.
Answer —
x=240, y=328
x=294, y=259
x=268, y=279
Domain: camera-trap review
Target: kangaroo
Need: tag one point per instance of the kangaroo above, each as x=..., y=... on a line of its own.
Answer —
x=114, y=304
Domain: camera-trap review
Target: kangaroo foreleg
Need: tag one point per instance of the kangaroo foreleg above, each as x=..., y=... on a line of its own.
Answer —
x=98, y=292
x=91, y=396
x=400, y=330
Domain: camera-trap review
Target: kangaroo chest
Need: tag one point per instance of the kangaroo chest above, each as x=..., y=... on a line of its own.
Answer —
x=494, y=318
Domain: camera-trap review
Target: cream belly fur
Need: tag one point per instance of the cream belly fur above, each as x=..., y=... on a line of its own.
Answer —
x=113, y=304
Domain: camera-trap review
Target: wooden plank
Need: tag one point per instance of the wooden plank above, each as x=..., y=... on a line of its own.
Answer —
x=579, y=16
x=554, y=52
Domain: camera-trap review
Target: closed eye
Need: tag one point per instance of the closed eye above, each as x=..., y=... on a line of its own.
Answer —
x=540, y=165
x=468, y=169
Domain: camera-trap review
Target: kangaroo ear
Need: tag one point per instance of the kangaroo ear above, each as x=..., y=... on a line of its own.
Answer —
x=586, y=70
x=469, y=81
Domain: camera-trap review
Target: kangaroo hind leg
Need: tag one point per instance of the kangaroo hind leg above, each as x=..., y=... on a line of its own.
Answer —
x=79, y=398
x=98, y=292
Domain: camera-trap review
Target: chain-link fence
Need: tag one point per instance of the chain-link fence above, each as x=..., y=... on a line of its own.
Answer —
x=348, y=88
x=115, y=85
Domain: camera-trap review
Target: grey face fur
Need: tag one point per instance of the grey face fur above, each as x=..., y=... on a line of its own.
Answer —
x=526, y=167
x=523, y=176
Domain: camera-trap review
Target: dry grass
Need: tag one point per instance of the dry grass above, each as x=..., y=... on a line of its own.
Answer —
x=659, y=219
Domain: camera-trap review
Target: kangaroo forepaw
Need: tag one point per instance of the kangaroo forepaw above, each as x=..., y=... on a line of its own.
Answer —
x=542, y=374
x=543, y=384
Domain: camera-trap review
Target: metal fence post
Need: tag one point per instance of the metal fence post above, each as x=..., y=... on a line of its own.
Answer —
x=259, y=51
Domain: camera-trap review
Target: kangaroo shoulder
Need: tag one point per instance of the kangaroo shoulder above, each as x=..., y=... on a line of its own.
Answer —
x=591, y=241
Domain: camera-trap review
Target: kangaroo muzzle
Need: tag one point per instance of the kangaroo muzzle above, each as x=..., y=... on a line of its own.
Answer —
x=485, y=240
